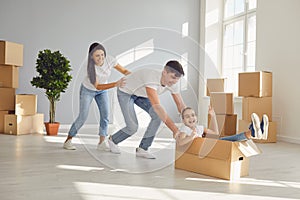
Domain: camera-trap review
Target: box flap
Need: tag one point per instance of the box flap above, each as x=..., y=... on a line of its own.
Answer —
x=248, y=148
x=212, y=148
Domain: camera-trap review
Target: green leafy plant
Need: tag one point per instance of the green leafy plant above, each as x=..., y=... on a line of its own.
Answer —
x=54, y=76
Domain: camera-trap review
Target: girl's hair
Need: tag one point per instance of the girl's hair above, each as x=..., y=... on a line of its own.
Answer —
x=91, y=64
x=183, y=110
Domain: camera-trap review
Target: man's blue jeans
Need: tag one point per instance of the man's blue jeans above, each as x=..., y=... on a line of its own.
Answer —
x=127, y=102
x=86, y=98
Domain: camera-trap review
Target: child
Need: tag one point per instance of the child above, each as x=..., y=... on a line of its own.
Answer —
x=190, y=129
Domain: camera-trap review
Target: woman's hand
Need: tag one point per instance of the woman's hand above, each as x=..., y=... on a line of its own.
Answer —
x=121, y=83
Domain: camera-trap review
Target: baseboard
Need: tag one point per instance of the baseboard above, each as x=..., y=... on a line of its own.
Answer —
x=288, y=139
x=85, y=126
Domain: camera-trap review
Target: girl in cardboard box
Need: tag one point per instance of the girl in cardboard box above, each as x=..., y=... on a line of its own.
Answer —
x=191, y=130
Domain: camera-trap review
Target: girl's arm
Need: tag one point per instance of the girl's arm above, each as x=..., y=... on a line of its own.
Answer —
x=183, y=138
x=213, y=126
x=121, y=69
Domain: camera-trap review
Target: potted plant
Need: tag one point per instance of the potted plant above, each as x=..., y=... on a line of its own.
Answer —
x=53, y=76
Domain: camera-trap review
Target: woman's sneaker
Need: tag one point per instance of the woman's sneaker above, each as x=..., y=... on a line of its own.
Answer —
x=104, y=146
x=255, y=128
x=69, y=146
x=264, y=126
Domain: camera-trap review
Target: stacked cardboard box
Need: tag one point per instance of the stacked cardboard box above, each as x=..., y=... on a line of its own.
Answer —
x=222, y=102
x=26, y=119
x=213, y=157
x=256, y=90
x=17, y=113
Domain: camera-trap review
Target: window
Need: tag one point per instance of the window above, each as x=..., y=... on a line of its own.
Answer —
x=239, y=40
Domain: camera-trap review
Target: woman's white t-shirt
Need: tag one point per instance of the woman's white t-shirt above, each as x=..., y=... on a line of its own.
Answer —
x=102, y=72
x=187, y=130
x=137, y=81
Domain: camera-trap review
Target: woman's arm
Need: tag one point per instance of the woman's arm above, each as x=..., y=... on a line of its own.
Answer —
x=121, y=69
x=119, y=83
x=105, y=86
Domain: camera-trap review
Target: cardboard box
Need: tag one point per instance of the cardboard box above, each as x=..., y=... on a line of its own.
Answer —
x=272, y=132
x=2, y=113
x=26, y=104
x=9, y=76
x=215, y=85
x=255, y=84
x=11, y=53
x=258, y=105
x=38, y=123
x=23, y=124
x=222, y=102
x=227, y=124
x=217, y=158
x=7, y=98
x=17, y=124
x=243, y=125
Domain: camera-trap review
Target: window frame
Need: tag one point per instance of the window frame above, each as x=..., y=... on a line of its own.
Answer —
x=244, y=16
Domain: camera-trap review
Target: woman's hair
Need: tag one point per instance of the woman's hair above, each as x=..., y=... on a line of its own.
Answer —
x=91, y=64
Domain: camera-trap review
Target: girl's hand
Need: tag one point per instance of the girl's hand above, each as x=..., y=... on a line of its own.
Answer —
x=211, y=111
x=194, y=134
x=121, y=83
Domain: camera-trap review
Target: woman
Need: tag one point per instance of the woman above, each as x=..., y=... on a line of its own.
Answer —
x=94, y=86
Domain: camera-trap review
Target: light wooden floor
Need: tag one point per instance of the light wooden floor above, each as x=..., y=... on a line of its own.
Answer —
x=37, y=167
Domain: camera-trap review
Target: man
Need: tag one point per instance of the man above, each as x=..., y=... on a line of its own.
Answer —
x=142, y=88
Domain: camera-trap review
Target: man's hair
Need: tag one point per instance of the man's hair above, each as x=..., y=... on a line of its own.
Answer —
x=183, y=111
x=174, y=66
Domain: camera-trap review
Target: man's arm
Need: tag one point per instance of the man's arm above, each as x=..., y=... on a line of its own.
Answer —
x=154, y=100
x=179, y=102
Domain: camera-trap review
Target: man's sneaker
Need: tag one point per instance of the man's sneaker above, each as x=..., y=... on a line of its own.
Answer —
x=143, y=153
x=255, y=128
x=113, y=147
x=264, y=126
x=104, y=146
x=69, y=146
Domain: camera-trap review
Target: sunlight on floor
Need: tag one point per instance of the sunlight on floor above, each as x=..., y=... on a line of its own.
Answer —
x=79, y=168
x=249, y=181
x=91, y=191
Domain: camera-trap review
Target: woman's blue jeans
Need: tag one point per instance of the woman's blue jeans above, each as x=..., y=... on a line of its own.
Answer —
x=127, y=102
x=86, y=98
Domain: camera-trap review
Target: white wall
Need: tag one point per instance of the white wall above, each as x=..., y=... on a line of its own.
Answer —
x=121, y=25
x=278, y=50
x=278, y=47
